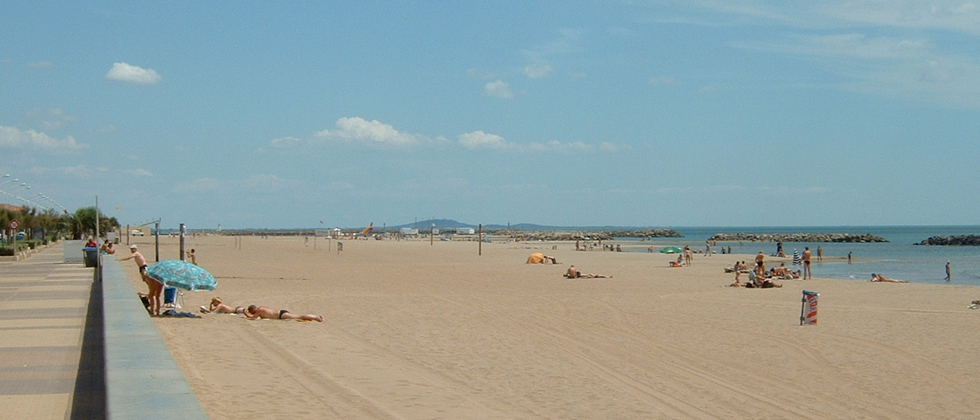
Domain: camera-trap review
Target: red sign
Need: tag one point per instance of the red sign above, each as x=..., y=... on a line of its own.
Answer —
x=808, y=314
x=14, y=224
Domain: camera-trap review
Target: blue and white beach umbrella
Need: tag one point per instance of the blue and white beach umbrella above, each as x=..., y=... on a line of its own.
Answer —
x=182, y=275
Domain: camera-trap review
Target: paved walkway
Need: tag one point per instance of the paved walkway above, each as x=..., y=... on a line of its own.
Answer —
x=44, y=306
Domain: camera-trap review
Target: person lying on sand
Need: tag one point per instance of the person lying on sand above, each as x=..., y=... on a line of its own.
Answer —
x=878, y=278
x=217, y=307
x=573, y=273
x=758, y=280
x=255, y=312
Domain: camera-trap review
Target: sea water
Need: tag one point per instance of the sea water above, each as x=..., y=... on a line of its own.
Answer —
x=898, y=258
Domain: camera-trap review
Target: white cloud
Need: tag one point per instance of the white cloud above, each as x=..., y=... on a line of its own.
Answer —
x=889, y=66
x=286, y=143
x=124, y=72
x=480, y=139
x=564, y=44
x=557, y=146
x=498, y=89
x=14, y=138
x=537, y=71
x=82, y=171
x=139, y=172
x=854, y=45
x=951, y=15
x=356, y=129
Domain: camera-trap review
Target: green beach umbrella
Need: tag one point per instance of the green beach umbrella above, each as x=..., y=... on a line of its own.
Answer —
x=670, y=250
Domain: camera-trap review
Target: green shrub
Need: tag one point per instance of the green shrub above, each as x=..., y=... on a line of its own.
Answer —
x=6, y=251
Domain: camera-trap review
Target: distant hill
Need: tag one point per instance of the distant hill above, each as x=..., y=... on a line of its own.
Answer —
x=444, y=224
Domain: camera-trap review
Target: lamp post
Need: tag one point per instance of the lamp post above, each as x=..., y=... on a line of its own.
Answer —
x=53, y=202
x=8, y=181
x=27, y=187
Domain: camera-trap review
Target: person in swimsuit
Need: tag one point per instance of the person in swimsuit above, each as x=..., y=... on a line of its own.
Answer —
x=256, y=312
x=807, y=274
x=217, y=307
x=155, y=286
x=878, y=278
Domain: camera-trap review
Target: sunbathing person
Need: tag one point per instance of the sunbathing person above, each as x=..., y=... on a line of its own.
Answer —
x=255, y=312
x=738, y=280
x=781, y=272
x=758, y=280
x=878, y=278
x=217, y=307
x=573, y=273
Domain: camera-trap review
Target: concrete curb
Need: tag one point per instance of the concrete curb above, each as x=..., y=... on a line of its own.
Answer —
x=143, y=380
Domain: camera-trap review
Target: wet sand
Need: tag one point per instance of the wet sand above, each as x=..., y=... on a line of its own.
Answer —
x=435, y=331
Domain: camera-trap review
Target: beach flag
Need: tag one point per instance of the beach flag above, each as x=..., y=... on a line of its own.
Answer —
x=808, y=312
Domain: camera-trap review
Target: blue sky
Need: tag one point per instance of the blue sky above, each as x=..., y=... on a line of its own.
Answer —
x=639, y=113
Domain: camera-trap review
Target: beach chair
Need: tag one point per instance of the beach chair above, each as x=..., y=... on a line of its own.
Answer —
x=172, y=298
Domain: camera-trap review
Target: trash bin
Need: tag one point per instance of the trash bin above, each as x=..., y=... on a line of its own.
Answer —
x=91, y=255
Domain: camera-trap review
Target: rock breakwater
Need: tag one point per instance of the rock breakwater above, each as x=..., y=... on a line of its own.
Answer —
x=796, y=237
x=964, y=240
x=587, y=235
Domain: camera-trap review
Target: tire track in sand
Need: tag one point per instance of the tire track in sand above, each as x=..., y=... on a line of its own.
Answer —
x=358, y=379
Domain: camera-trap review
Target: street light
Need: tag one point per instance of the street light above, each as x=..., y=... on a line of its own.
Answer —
x=53, y=202
x=9, y=181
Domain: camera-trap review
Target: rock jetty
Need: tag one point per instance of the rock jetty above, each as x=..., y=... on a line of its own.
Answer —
x=795, y=237
x=592, y=235
x=965, y=240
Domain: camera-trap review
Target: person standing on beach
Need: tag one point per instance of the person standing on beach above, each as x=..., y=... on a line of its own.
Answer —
x=688, y=255
x=156, y=287
x=192, y=256
x=819, y=254
x=760, y=260
x=848, y=257
x=947, y=271
x=807, y=274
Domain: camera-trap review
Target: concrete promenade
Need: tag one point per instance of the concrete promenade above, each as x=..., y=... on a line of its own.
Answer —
x=72, y=347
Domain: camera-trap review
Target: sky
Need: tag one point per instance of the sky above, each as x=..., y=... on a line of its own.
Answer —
x=306, y=114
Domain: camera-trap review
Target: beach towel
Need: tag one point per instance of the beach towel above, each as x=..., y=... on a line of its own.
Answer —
x=173, y=313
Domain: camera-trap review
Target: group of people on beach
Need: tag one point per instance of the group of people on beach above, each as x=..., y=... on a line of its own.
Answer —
x=256, y=312
x=251, y=312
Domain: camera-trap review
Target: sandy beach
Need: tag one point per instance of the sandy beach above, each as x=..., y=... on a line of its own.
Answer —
x=416, y=330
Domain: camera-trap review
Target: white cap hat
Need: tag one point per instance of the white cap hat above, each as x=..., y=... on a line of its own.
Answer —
x=132, y=247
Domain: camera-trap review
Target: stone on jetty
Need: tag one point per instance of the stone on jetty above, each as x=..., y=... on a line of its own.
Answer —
x=796, y=237
x=963, y=240
x=604, y=235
